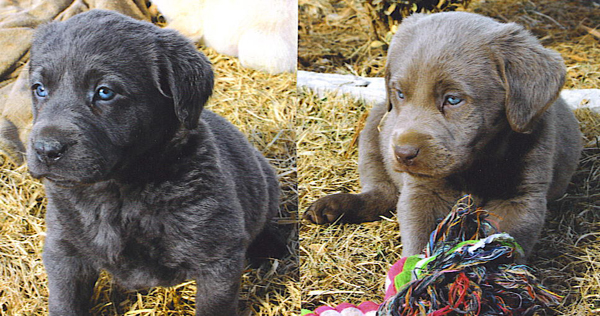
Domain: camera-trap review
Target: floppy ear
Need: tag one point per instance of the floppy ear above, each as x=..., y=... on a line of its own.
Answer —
x=388, y=102
x=533, y=75
x=185, y=75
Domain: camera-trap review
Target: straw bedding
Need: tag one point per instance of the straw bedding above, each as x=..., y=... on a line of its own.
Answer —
x=348, y=263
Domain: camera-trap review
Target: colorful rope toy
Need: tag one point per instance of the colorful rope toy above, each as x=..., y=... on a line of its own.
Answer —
x=467, y=268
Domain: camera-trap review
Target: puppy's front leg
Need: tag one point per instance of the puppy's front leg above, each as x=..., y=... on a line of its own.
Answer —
x=218, y=289
x=522, y=217
x=421, y=204
x=379, y=194
x=70, y=281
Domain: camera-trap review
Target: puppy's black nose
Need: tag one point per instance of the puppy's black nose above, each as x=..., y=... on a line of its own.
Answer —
x=49, y=151
x=406, y=154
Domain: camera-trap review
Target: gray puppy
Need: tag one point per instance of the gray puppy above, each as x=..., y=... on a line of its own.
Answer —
x=141, y=181
x=472, y=107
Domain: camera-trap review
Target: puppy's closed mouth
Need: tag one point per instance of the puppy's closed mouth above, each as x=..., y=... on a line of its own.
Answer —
x=412, y=172
x=58, y=180
x=415, y=170
x=64, y=182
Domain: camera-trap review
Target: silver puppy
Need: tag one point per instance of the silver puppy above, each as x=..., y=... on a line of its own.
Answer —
x=141, y=180
x=472, y=107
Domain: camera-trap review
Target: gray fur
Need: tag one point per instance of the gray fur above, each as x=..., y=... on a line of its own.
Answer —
x=147, y=185
x=511, y=142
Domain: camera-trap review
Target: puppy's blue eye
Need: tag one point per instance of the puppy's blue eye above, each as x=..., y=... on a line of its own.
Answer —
x=39, y=90
x=452, y=100
x=400, y=94
x=105, y=94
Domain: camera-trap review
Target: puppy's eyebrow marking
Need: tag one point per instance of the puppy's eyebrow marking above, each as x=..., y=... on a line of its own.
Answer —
x=37, y=74
x=395, y=80
x=445, y=86
x=97, y=77
x=113, y=78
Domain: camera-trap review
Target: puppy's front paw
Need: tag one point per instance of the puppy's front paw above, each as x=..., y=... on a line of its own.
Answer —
x=342, y=206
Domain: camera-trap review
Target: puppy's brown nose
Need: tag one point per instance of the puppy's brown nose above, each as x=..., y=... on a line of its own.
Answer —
x=406, y=154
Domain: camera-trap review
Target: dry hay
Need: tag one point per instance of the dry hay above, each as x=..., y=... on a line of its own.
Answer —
x=338, y=37
x=347, y=263
x=338, y=263
x=263, y=107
